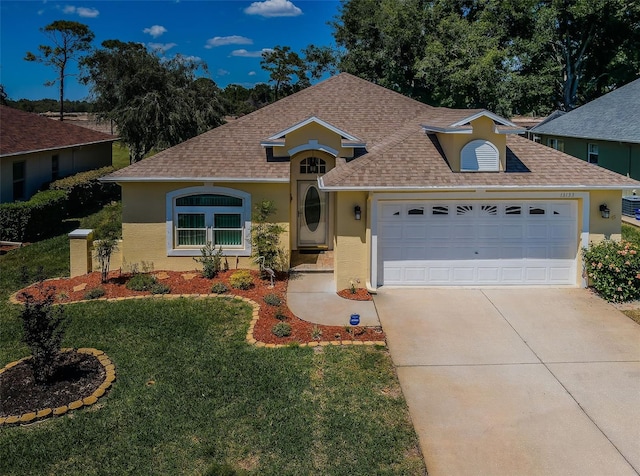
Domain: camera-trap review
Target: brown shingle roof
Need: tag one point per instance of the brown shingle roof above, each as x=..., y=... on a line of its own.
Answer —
x=23, y=132
x=399, y=153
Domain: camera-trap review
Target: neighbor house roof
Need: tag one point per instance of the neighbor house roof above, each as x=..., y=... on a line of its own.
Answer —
x=23, y=132
x=400, y=152
x=613, y=117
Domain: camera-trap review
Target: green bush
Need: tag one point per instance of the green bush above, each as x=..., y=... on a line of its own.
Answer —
x=35, y=218
x=613, y=268
x=159, y=288
x=94, y=293
x=280, y=315
x=272, y=300
x=281, y=329
x=211, y=260
x=219, y=288
x=43, y=327
x=85, y=190
x=141, y=282
x=241, y=280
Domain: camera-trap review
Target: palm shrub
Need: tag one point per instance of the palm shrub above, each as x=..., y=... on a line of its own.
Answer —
x=103, y=251
x=43, y=327
x=211, y=260
x=613, y=269
x=265, y=237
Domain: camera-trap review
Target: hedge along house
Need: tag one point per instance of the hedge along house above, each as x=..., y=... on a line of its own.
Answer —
x=402, y=192
x=605, y=131
x=35, y=150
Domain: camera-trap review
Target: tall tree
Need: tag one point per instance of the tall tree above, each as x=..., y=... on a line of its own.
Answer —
x=283, y=65
x=69, y=39
x=507, y=55
x=320, y=60
x=3, y=95
x=155, y=102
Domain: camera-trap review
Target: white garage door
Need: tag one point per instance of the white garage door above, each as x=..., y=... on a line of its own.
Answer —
x=473, y=242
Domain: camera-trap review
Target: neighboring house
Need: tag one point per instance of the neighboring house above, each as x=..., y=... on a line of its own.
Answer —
x=402, y=192
x=605, y=131
x=35, y=150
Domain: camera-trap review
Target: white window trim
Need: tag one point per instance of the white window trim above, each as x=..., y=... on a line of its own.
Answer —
x=171, y=215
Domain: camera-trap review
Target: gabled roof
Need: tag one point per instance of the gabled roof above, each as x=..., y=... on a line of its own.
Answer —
x=399, y=153
x=613, y=117
x=23, y=132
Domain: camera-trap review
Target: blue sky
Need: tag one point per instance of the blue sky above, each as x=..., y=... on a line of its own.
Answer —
x=228, y=35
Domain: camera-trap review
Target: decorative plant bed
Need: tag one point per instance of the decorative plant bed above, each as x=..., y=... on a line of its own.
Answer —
x=360, y=294
x=190, y=284
x=84, y=375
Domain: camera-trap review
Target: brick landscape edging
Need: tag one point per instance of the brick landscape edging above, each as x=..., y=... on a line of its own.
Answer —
x=44, y=413
x=254, y=318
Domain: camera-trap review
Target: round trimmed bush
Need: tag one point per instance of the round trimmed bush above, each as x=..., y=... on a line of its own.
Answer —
x=281, y=329
x=241, y=280
x=272, y=300
x=141, y=282
x=219, y=288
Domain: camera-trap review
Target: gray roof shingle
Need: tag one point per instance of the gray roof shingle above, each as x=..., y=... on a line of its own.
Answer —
x=613, y=117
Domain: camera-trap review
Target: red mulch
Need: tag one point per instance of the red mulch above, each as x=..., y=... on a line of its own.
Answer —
x=360, y=294
x=301, y=331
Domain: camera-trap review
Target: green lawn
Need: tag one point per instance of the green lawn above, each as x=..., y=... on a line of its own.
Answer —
x=191, y=397
x=631, y=233
x=120, y=155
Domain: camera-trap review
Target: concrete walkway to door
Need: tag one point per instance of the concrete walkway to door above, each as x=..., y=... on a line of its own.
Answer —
x=517, y=381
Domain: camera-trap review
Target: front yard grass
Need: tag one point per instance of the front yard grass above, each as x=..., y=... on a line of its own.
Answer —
x=191, y=397
x=631, y=233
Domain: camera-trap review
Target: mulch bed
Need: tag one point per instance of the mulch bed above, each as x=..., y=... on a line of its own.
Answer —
x=192, y=282
x=360, y=294
x=78, y=376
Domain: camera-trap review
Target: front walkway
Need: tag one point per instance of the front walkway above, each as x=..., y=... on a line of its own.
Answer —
x=312, y=297
x=517, y=381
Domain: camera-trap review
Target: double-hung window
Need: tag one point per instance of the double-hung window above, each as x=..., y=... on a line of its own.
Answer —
x=202, y=215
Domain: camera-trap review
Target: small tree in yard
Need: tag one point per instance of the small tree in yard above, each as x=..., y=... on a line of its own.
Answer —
x=266, y=237
x=43, y=329
x=103, y=251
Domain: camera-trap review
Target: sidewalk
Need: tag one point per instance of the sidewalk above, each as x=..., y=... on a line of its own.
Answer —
x=312, y=297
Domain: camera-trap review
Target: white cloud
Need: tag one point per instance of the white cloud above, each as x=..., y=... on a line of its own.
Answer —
x=273, y=8
x=191, y=57
x=228, y=40
x=222, y=72
x=87, y=12
x=161, y=46
x=250, y=54
x=252, y=73
x=83, y=12
x=155, y=30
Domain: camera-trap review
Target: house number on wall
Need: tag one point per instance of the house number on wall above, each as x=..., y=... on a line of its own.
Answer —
x=566, y=194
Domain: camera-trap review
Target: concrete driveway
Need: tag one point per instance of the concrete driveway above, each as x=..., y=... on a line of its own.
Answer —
x=517, y=381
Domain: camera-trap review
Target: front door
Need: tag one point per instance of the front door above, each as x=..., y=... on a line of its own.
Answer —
x=312, y=215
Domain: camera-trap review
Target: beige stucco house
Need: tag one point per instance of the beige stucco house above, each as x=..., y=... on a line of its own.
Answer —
x=35, y=150
x=403, y=193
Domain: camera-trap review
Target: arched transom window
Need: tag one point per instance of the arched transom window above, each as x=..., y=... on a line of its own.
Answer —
x=313, y=165
x=217, y=216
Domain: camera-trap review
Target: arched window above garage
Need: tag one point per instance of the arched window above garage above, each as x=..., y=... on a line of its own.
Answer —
x=479, y=156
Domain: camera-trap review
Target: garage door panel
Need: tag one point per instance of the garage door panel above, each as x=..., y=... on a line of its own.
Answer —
x=464, y=243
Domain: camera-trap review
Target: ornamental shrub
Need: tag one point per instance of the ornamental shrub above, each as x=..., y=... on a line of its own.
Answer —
x=211, y=260
x=141, y=282
x=219, y=288
x=39, y=216
x=94, y=293
x=241, y=280
x=85, y=191
x=613, y=269
x=159, y=288
x=272, y=299
x=43, y=327
x=281, y=329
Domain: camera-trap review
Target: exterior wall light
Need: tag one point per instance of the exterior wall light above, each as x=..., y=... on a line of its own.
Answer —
x=604, y=210
x=357, y=212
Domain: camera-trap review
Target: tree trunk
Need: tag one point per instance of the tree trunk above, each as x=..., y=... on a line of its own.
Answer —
x=62, y=95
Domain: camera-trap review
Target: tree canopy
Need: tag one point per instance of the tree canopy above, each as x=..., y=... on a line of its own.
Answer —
x=511, y=56
x=154, y=101
x=69, y=39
